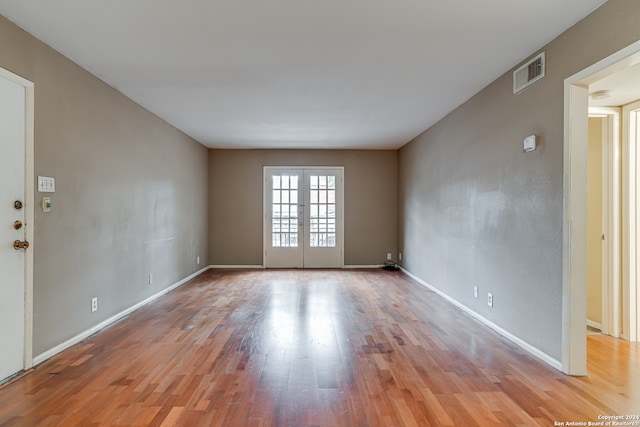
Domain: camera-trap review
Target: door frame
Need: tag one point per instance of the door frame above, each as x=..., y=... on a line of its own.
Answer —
x=611, y=217
x=266, y=237
x=574, y=222
x=29, y=195
x=631, y=222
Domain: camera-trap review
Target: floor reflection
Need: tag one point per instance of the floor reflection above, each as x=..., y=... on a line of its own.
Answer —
x=304, y=365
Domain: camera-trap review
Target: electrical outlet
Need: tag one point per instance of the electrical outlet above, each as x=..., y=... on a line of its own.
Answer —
x=399, y=256
x=490, y=299
x=94, y=304
x=389, y=255
x=198, y=260
x=150, y=278
x=475, y=292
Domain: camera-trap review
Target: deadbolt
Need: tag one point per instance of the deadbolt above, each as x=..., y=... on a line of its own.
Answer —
x=17, y=225
x=17, y=204
x=17, y=245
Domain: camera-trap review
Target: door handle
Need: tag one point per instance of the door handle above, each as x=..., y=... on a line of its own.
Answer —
x=17, y=245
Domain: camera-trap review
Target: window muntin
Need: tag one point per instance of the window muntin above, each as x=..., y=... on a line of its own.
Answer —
x=322, y=211
x=285, y=217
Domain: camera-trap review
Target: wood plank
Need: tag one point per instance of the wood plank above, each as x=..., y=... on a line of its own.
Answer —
x=313, y=348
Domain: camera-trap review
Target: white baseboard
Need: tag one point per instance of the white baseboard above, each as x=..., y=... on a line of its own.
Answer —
x=594, y=325
x=76, y=339
x=113, y=319
x=262, y=267
x=238, y=267
x=518, y=341
x=361, y=266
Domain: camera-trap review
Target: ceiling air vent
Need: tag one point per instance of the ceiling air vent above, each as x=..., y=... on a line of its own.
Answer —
x=529, y=73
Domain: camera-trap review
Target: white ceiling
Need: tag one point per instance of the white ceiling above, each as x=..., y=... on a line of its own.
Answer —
x=298, y=73
x=622, y=87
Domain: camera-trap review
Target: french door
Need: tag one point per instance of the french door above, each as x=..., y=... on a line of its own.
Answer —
x=303, y=225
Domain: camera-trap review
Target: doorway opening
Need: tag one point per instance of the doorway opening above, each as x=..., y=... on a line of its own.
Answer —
x=574, y=306
x=604, y=220
x=303, y=217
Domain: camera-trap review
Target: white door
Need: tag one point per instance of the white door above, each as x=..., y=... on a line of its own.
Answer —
x=284, y=216
x=12, y=218
x=303, y=217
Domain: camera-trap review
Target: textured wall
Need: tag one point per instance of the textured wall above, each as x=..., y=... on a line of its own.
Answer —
x=476, y=210
x=235, y=202
x=131, y=195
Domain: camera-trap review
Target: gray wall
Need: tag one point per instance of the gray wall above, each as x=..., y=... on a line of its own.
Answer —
x=235, y=202
x=476, y=210
x=131, y=195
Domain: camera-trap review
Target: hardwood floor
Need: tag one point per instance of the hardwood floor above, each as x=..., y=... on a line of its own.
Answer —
x=313, y=348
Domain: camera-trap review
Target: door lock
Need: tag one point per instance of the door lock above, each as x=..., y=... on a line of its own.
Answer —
x=17, y=225
x=17, y=245
x=17, y=204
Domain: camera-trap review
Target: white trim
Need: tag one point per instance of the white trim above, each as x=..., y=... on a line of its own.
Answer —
x=266, y=196
x=113, y=319
x=508, y=335
x=253, y=267
x=629, y=205
x=630, y=220
x=30, y=220
x=355, y=266
x=594, y=325
x=275, y=257
x=29, y=210
x=574, y=230
x=611, y=218
x=15, y=78
x=574, y=353
x=624, y=58
x=264, y=216
x=237, y=267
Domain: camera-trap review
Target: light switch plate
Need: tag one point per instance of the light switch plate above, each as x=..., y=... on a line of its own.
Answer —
x=46, y=184
x=46, y=204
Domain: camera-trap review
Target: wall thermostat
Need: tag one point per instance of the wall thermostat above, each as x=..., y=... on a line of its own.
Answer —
x=529, y=143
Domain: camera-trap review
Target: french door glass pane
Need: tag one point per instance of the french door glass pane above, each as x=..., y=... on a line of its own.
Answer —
x=322, y=229
x=284, y=207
